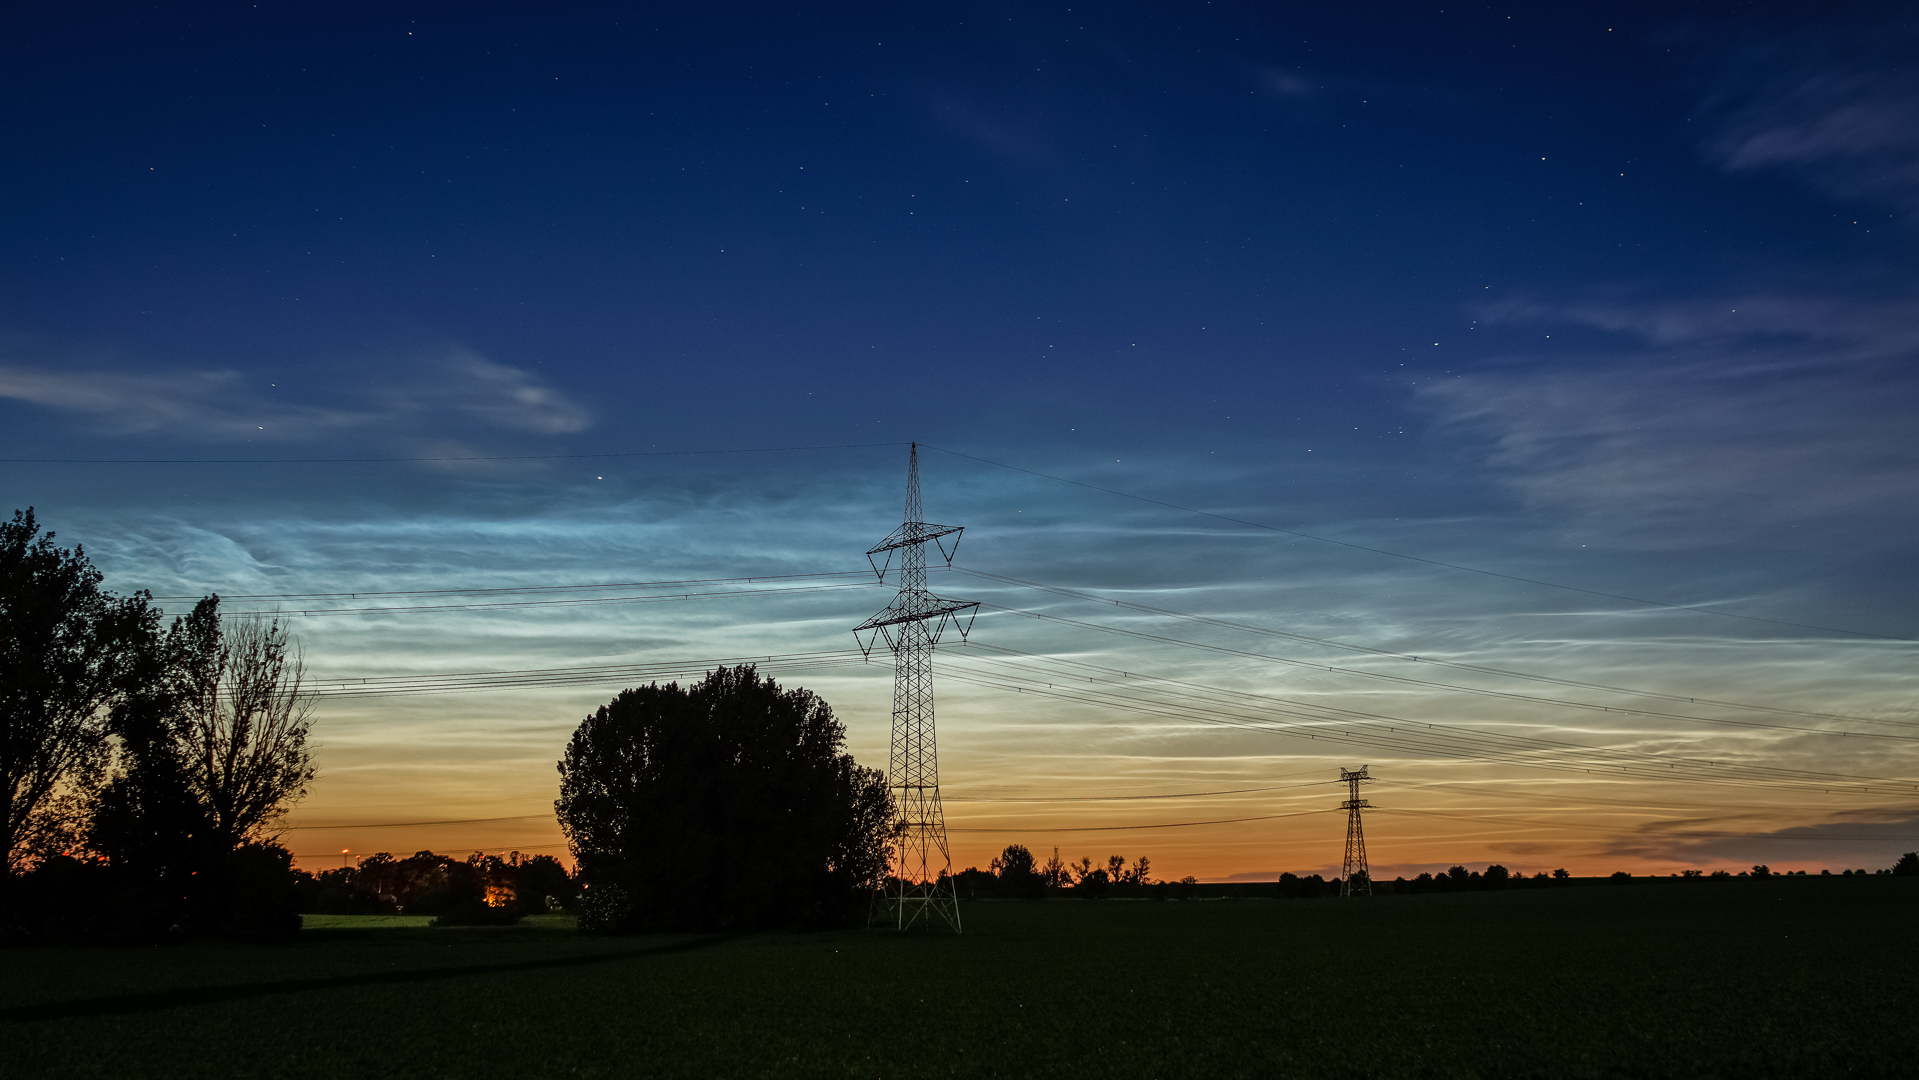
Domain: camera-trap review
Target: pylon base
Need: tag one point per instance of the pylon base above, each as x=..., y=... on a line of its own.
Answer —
x=923, y=905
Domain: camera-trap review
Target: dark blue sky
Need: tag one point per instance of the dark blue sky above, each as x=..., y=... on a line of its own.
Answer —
x=1620, y=298
x=1132, y=216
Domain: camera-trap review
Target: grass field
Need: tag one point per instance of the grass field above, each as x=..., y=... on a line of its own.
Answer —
x=1793, y=977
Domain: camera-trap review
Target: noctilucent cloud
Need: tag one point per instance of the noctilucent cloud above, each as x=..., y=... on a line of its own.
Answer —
x=1520, y=400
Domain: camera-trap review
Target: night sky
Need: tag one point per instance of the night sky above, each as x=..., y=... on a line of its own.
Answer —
x=1578, y=345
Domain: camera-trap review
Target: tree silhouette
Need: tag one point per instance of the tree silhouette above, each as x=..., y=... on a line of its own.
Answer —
x=243, y=722
x=211, y=748
x=212, y=740
x=1056, y=874
x=1016, y=861
x=1018, y=872
x=726, y=804
x=1092, y=884
x=146, y=820
x=64, y=655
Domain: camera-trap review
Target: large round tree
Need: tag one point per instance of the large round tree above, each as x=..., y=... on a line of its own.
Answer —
x=727, y=804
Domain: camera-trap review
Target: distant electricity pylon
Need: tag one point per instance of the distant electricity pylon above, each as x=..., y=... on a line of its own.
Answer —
x=922, y=885
x=1355, y=833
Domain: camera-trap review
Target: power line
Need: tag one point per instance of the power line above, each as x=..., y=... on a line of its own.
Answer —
x=1421, y=558
x=1164, y=639
x=596, y=587
x=1370, y=650
x=1364, y=674
x=1591, y=802
x=1420, y=737
x=413, y=824
x=1353, y=672
x=1127, y=828
x=1058, y=590
x=1689, y=834
x=473, y=681
x=1129, y=798
x=971, y=457
x=1004, y=830
x=575, y=602
x=1401, y=734
x=469, y=457
x=949, y=798
x=1062, y=591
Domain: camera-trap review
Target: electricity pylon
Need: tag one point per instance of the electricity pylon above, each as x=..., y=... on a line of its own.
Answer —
x=1355, y=833
x=921, y=888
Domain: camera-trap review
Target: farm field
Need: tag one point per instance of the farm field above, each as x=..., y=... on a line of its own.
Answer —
x=1789, y=977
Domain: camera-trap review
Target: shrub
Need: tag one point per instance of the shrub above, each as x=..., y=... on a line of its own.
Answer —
x=353, y=900
x=62, y=898
x=604, y=909
x=262, y=893
x=471, y=912
x=1093, y=885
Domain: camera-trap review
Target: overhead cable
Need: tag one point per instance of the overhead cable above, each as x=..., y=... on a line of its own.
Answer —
x=465, y=457
x=1420, y=558
x=573, y=602
x=1390, y=732
x=593, y=587
x=1429, y=684
x=1251, y=628
x=1128, y=828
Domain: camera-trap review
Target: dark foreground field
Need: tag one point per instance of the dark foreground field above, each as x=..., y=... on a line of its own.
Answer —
x=1799, y=977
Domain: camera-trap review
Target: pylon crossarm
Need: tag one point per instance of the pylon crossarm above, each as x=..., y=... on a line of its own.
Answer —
x=940, y=543
x=934, y=607
x=915, y=532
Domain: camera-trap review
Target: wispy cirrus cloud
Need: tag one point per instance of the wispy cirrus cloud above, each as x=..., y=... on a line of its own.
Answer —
x=1719, y=418
x=197, y=405
x=1842, y=113
x=432, y=396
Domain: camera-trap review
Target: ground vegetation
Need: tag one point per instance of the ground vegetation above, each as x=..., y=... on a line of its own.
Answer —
x=1781, y=976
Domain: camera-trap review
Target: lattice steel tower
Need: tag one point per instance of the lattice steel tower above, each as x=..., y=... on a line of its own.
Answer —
x=922, y=886
x=1355, y=833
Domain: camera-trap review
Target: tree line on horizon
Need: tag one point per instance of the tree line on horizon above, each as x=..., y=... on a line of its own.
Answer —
x=482, y=889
